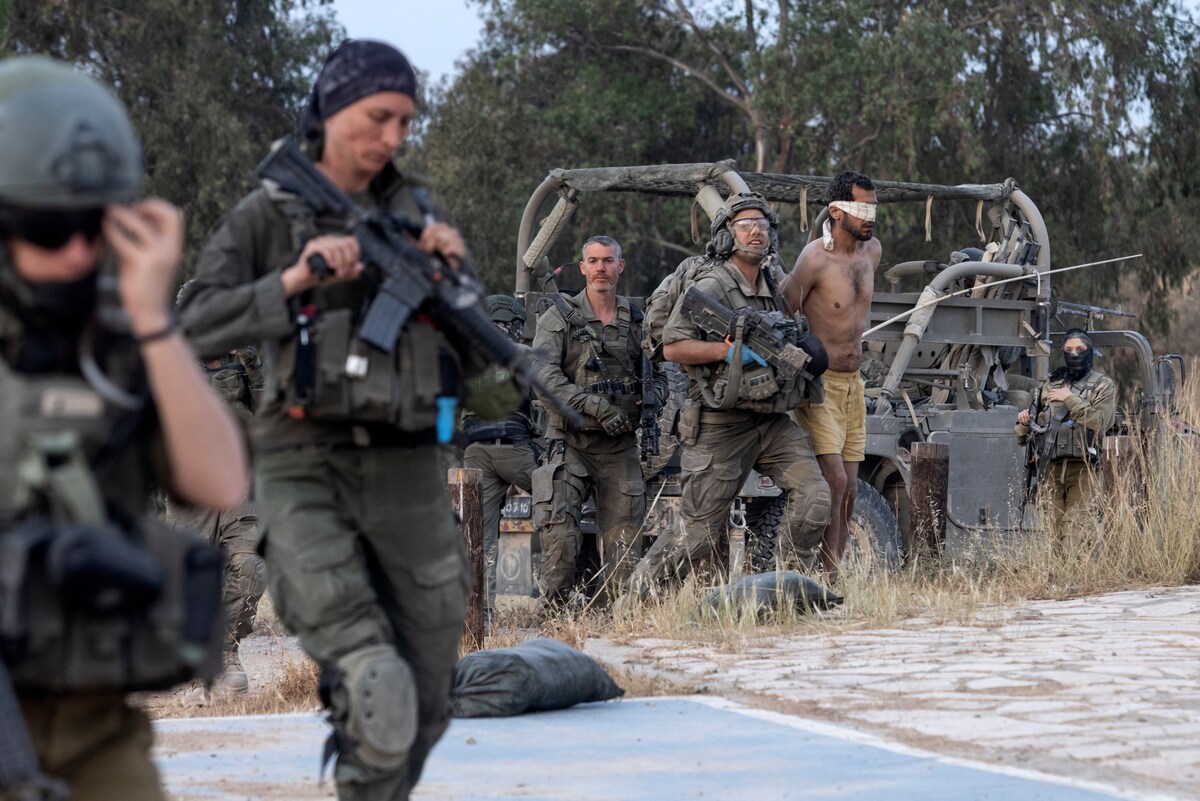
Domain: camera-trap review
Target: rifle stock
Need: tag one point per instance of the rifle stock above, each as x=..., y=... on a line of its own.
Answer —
x=404, y=278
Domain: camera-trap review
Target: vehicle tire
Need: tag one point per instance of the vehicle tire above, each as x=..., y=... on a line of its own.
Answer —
x=764, y=521
x=874, y=535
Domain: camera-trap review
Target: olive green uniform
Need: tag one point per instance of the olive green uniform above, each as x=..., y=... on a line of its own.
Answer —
x=584, y=371
x=73, y=698
x=503, y=453
x=1071, y=481
x=722, y=446
x=238, y=380
x=364, y=558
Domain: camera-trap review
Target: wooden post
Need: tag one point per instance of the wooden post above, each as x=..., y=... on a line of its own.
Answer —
x=1119, y=466
x=466, y=496
x=927, y=490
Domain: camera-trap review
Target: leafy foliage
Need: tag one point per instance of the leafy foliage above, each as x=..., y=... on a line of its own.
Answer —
x=1087, y=104
x=209, y=83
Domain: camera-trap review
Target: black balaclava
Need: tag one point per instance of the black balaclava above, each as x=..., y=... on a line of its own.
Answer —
x=1077, y=365
x=356, y=69
x=52, y=316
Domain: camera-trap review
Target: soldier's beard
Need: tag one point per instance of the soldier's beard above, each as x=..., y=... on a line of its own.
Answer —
x=858, y=233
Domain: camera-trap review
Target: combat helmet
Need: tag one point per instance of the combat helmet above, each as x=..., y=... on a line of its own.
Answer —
x=721, y=241
x=505, y=309
x=66, y=141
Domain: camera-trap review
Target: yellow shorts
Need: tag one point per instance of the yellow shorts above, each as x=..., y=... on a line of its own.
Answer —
x=839, y=425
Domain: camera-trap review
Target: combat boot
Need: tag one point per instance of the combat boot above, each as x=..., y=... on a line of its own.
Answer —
x=233, y=680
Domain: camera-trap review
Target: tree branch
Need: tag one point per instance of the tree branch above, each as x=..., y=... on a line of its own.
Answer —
x=740, y=102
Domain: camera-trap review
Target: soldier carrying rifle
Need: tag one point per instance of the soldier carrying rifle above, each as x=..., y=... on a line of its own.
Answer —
x=1062, y=430
x=591, y=348
x=744, y=375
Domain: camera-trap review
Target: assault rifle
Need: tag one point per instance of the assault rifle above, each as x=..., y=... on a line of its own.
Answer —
x=1032, y=477
x=404, y=278
x=1041, y=445
x=780, y=340
x=649, y=423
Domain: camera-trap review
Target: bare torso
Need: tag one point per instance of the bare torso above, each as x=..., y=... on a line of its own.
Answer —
x=837, y=288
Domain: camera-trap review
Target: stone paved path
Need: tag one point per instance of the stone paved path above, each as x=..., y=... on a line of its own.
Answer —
x=1101, y=689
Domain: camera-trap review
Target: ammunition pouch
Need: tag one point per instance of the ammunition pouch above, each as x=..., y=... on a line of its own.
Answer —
x=760, y=391
x=93, y=607
x=232, y=384
x=328, y=373
x=1071, y=442
x=687, y=426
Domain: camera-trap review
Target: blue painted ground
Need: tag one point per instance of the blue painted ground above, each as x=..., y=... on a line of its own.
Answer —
x=628, y=751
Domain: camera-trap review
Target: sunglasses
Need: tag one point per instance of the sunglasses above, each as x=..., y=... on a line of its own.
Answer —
x=51, y=229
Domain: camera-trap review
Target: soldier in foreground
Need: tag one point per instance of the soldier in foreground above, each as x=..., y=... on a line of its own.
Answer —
x=590, y=346
x=727, y=427
x=101, y=401
x=501, y=450
x=237, y=379
x=1063, y=428
x=833, y=282
x=364, y=559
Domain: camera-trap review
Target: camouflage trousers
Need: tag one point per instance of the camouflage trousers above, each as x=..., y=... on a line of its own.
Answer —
x=502, y=465
x=236, y=533
x=1071, y=486
x=559, y=489
x=363, y=550
x=94, y=742
x=728, y=446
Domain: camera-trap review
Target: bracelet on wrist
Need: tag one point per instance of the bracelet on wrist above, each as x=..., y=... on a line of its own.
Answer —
x=170, y=328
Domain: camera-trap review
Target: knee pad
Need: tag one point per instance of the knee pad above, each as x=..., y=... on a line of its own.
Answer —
x=380, y=695
x=810, y=506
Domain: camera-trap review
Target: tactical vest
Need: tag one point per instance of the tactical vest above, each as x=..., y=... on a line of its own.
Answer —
x=1073, y=441
x=613, y=374
x=323, y=371
x=95, y=593
x=752, y=387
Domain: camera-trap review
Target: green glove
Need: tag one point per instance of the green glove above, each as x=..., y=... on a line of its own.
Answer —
x=613, y=420
x=493, y=395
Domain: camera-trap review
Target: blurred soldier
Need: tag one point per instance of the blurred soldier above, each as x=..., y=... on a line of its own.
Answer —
x=726, y=435
x=101, y=401
x=833, y=282
x=364, y=559
x=238, y=380
x=592, y=359
x=1071, y=413
x=502, y=450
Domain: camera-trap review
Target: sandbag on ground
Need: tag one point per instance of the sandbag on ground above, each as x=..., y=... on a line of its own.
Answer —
x=768, y=592
x=534, y=676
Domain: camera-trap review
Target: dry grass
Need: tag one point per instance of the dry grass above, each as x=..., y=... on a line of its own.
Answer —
x=293, y=690
x=1143, y=534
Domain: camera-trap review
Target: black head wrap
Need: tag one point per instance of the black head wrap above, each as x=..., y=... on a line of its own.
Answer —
x=356, y=69
x=1077, y=365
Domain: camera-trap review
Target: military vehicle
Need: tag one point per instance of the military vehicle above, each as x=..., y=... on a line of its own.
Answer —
x=957, y=372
